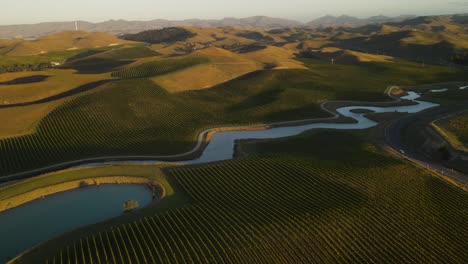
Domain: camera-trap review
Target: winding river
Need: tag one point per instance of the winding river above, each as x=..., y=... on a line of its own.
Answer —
x=41, y=220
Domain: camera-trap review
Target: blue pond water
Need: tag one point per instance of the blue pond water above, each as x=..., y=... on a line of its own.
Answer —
x=35, y=222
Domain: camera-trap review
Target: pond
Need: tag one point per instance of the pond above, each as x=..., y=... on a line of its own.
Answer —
x=28, y=225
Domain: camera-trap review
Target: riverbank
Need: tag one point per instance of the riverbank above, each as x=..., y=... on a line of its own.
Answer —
x=204, y=137
x=18, y=200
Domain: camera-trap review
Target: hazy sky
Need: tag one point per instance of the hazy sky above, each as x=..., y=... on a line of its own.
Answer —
x=33, y=11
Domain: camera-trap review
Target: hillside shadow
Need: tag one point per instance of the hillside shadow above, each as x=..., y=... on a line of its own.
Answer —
x=26, y=80
x=96, y=65
x=77, y=90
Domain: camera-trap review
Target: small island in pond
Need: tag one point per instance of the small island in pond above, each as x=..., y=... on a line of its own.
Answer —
x=130, y=205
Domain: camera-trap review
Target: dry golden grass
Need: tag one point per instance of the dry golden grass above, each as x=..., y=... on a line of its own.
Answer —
x=291, y=46
x=19, y=121
x=364, y=57
x=203, y=76
x=350, y=56
x=315, y=44
x=64, y=41
x=453, y=34
x=7, y=44
x=330, y=50
x=282, y=57
x=213, y=35
x=169, y=50
x=224, y=66
x=59, y=81
x=423, y=38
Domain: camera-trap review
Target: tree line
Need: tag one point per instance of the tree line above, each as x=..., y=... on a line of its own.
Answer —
x=25, y=67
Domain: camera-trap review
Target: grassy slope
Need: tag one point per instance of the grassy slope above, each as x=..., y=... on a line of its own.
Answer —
x=281, y=57
x=20, y=121
x=157, y=67
x=136, y=117
x=127, y=53
x=64, y=41
x=222, y=66
x=58, y=56
x=347, y=56
x=455, y=129
x=58, y=82
x=146, y=171
x=320, y=197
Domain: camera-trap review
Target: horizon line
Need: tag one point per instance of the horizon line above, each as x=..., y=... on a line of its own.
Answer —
x=232, y=17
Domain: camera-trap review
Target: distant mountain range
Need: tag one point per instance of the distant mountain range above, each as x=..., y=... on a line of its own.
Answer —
x=349, y=21
x=118, y=27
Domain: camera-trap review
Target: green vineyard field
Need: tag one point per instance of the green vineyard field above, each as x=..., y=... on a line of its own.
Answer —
x=129, y=53
x=137, y=117
x=154, y=68
x=270, y=208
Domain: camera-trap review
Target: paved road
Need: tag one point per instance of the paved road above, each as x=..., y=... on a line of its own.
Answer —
x=393, y=139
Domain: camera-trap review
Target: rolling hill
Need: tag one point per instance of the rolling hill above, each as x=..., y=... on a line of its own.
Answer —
x=117, y=27
x=63, y=41
x=349, y=21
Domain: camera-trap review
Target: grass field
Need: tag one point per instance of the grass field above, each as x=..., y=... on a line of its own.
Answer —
x=281, y=58
x=59, y=81
x=58, y=56
x=151, y=172
x=20, y=121
x=220, y=66
x=136, y=117
x=454, y=129
x=323, y=196
x=347, y=56
x=63, y=41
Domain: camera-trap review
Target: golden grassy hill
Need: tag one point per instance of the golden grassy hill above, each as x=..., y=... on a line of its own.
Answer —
x=59, y=81
x=459, y=39
x=281, y=57
x=26, y=119
x=315, y=44
x=6, y=45
x=64, y=41
x=348, y=56
x=219, y=36
x=223, y=66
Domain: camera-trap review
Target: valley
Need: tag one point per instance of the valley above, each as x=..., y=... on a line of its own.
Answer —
x=335, y=143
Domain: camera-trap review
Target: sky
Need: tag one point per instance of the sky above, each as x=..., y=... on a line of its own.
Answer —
x=34, y=11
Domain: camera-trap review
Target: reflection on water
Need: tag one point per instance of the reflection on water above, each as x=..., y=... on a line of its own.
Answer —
x=38, y=221
x=221, y=146
x=41, y=220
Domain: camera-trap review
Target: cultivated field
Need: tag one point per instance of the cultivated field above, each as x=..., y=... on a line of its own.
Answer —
x=454, y=129
x=319, y=197
x=136, y=117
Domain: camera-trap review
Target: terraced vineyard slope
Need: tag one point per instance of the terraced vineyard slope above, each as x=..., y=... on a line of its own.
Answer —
x=154, y=68
x=320, y=197
x=137, y=117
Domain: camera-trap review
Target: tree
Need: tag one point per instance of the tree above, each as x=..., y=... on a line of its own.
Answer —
x=130, y=205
